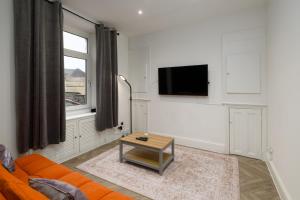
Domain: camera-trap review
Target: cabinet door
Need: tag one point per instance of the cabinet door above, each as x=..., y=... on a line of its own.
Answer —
x=140, y=112
x=64, y=150
x=243, y=73
x=70, y=147
x=244, y=61
x=87, y=134
x=246, y=132
x=138, y=65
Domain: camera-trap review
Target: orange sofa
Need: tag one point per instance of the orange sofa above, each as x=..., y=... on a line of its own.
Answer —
x=38, y=166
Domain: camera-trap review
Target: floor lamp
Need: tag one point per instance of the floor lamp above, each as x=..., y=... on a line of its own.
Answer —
x=130, y=99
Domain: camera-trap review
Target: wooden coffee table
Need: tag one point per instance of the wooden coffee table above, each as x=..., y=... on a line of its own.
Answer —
x=150, y=153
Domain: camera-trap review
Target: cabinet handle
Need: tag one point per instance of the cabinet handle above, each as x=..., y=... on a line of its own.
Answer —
x=79, y=136
x=75, y=137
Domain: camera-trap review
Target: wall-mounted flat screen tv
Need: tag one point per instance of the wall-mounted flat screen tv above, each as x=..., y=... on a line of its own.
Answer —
x=184, y=80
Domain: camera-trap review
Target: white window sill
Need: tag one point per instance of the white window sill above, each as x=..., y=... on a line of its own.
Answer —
x=78, y=116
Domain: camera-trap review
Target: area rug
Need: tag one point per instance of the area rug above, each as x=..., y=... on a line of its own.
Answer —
x=194, y=175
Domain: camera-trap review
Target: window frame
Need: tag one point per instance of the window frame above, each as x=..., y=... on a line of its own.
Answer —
x=87, y=58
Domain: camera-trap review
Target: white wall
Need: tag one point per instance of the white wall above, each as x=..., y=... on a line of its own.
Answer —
x=7, y=106
x=197, y=121
x=284, y=95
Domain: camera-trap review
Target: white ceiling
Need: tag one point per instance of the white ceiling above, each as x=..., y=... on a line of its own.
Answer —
x=158, y=14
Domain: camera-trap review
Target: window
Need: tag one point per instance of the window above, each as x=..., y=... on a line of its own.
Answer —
x=76, y=59
x=75, y=42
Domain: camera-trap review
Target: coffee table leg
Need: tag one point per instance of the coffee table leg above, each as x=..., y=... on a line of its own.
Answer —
x=121, y=152
x=160, y=162
x=173, y=150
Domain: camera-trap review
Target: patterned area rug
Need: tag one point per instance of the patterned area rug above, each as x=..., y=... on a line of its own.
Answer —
x=194, y=175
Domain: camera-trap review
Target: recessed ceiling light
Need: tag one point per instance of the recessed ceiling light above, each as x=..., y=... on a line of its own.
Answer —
x=140, y=12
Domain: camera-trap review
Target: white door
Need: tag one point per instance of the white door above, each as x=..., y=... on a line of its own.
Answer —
x=140, y=112
x=243, y=73
x=70, y=147
x=64, y=150
x=246, y=132
x=87, y=134
x=244, y=62
x=138, y=65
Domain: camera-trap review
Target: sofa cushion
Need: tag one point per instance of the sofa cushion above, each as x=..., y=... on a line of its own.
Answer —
x=13, y=188
x=27, y=159
x=53, y=172
x=94, y=191
x=75, y=179
x=55, y=189
x=33, y=163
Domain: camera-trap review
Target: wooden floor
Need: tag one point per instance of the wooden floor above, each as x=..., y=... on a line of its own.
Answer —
x=255, y=180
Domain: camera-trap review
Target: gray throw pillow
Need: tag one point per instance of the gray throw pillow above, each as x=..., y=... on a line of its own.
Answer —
x=56, y=190
x=6, y=159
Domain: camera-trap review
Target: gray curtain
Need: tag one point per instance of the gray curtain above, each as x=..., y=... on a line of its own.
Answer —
x=39, y=74
x=106, y=78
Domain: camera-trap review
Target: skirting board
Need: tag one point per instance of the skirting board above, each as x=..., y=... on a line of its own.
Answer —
x=200, y=144
x=281, y=189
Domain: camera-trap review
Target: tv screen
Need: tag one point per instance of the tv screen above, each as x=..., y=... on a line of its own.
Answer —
x=185, y=80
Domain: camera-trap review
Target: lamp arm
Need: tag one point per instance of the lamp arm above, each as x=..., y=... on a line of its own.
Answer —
x=129, y=85
x=130, y=98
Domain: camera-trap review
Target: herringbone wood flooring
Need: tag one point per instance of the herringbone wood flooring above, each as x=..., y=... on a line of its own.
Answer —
x=255, y=180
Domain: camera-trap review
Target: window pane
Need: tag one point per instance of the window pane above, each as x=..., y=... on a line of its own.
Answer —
x=75, y=81
x=75, y=43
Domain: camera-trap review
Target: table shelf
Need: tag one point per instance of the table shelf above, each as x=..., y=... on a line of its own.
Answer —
x=146, y=158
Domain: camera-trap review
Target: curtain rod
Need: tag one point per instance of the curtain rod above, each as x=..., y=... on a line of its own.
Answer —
x=79, y=16
x=82, y=17
x=51, y=1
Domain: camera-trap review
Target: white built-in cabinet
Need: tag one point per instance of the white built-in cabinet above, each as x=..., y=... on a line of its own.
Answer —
x=138, y=61
x=140, y=115
x=81, y=137
x=246, y=132
x=244, y=61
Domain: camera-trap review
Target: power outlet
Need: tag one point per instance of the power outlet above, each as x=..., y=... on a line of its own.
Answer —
x=122, y=129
